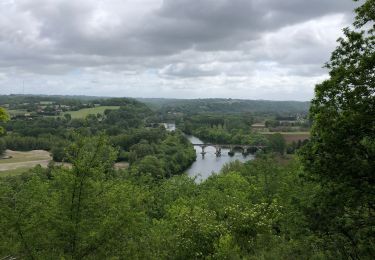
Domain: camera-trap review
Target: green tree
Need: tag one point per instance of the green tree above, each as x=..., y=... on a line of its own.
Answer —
x=3, y=118
x=341, y=153
x=277, y=143
x=83, y=212
x=152, y=166
x=68, y=117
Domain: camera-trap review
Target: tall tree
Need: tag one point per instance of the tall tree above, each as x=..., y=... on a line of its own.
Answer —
x=3, y=118
x=78, y=213
x=341, y=153
x=277, y=143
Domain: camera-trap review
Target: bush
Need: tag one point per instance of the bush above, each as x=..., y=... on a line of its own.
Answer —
x=2, y=146
x=58, y=154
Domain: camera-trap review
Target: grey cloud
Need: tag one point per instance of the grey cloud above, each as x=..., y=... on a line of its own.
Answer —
x=177, y=25
x=199, y=42
x=223, y=24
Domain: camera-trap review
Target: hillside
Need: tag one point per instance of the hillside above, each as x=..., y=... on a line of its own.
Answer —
x=194, y=106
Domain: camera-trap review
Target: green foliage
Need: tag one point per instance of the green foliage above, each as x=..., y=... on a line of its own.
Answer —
x=150, y=165
x=2, y=146
x=250, y=211
x=58, y=153
x=3, y=118
x=83, y=113
x=227, y=129
x=277, y=143
x=227, y=122
x=226, y=106
x=128, y=116
x=171, y=152
x=340, y=156
x=20, y=143
x=79, y=213
x=232, y=129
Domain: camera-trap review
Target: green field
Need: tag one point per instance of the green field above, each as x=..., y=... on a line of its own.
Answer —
x=89, y=111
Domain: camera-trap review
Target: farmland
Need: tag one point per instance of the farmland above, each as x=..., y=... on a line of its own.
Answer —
x=18, y=162
x=15, y=163
x=82, y=113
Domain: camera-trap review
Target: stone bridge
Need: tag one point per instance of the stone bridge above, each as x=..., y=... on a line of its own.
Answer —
x=232, y=147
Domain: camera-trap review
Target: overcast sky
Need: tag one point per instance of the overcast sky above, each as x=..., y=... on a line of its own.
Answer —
x=251, y=49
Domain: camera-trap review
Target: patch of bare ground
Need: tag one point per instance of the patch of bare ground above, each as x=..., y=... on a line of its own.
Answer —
x=121, y=165
x=64, y=164
x=12, y=160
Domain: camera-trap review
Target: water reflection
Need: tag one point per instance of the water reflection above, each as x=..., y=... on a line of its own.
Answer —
x=208, y=164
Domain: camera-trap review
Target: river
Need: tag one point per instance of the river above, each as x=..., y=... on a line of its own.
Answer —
x=205, y=166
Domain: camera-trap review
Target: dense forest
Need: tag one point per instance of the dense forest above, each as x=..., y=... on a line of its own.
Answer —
x=194, y=106
x=315, y=204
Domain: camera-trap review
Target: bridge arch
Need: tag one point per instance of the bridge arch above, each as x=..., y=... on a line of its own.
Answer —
x=245, y=149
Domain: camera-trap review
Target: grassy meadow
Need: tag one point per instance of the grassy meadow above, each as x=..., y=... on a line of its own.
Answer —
x=83, y=113
x=15, y=162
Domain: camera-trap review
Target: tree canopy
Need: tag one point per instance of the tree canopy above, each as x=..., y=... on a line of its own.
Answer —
x=3, y=118
x=341, y=153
